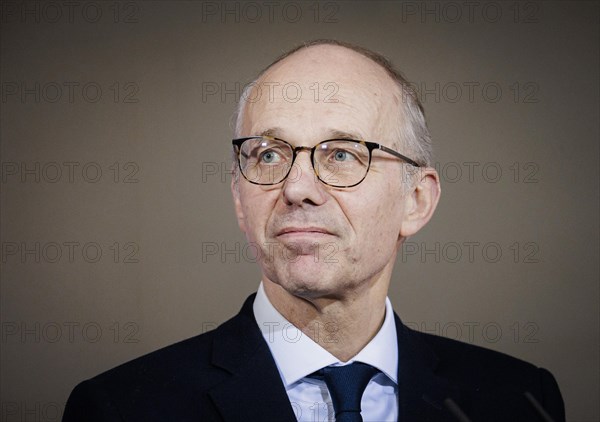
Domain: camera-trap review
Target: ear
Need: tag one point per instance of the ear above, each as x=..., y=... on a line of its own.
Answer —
x=235, y=191
x=421, y=201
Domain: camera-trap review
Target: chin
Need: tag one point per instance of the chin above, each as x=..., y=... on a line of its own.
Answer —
x=306, y=278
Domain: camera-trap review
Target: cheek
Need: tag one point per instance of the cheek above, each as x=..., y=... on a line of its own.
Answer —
x=382, y=222
x=254, y=221
x=257, y=206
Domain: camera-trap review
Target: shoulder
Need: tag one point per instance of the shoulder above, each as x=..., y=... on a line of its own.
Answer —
x=482, y=360
x=163, y=364
x=173, y=381
x=138, y=383
x=173, y=363
x=488, y=376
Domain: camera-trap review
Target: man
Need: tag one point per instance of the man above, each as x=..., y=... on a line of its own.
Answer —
x=329, y=182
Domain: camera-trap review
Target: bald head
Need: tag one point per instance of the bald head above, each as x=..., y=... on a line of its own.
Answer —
x=327, y=72
x=330, y=62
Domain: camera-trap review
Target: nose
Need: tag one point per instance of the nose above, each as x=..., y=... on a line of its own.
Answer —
x=302, y=187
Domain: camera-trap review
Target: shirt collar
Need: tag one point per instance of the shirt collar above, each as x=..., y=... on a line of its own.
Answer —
x=297, y=355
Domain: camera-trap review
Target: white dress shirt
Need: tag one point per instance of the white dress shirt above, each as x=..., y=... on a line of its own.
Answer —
x=298, y=356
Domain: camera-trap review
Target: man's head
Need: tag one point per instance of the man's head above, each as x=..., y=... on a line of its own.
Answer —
x=318, y=241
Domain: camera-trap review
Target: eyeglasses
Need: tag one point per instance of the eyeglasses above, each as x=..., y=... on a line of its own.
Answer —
x=341, y=163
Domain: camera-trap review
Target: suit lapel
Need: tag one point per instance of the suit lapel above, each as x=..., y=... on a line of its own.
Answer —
x=254, y=391
x=421, y=393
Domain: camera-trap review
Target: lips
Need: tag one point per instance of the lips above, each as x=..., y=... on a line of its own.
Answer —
x=303, y=230
x=301, y=224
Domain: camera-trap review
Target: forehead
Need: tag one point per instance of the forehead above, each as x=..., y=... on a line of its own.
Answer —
x=320, y=90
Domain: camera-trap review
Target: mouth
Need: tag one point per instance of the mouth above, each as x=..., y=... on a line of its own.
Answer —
x=303, y=231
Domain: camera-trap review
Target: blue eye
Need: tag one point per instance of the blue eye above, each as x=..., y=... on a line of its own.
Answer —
x=268, y=156
x=343, y=155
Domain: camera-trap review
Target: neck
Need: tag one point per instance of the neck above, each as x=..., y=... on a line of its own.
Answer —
x=343, y=326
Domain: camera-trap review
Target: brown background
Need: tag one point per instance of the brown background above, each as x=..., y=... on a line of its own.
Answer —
x=168, y=73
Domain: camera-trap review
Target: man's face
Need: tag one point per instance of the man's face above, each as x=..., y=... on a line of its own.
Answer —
x=316, y=240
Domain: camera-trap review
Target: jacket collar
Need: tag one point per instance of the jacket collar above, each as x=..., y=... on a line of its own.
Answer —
x=255, y=391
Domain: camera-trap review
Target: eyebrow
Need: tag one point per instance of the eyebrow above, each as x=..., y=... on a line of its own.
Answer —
x=276, y=132
x=345, y=135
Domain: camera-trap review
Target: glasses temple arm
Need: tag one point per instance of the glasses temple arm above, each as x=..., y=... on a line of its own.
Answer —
x=397, y=154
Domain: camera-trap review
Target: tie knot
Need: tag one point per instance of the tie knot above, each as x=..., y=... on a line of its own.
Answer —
x=346, y=385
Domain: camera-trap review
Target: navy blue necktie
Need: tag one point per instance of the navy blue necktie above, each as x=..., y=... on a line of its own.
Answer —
x=346, y=385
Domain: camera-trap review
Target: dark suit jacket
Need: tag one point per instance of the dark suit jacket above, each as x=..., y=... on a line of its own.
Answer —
x=229, y=374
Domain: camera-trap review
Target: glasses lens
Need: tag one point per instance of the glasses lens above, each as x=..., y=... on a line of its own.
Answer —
x=265, y=161
x=341, y=162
